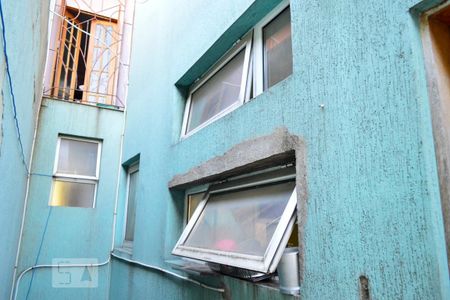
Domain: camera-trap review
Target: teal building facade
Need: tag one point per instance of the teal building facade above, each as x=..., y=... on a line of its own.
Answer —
x=25, y=31
x=355, y=116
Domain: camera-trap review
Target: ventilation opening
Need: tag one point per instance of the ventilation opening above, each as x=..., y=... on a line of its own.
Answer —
x=364, y=291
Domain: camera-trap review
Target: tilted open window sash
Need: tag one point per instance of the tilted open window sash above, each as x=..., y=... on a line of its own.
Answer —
x=244, y=224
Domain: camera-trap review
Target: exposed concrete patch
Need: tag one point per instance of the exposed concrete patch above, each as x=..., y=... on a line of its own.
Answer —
x=247, y=156
x=252, y=155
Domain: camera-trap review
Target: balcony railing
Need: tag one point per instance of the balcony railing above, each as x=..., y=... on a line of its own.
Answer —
x=85, y=60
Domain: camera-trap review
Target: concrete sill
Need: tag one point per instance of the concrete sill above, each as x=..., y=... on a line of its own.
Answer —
x=124, y=252
x=198, y=270
x=96, y=105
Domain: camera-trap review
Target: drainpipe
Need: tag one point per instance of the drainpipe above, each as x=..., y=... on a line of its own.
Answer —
x=19, y=243
x=122, y=92
x=119, y=171
x=125, y=51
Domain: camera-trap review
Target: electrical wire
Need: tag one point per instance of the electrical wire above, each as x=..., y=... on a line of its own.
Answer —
x=11, y=90
x=32, y=268
x=16, y=289
x=40, y=174
x=219, y=290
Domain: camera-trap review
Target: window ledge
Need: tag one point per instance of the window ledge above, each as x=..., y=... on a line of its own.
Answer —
x=125, y=252
x=199, y=269
x=192, y=267
x=250, y=155
x=95, y=105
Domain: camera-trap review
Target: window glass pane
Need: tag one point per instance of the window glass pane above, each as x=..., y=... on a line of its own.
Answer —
x=103, y=84
x=193, y=201
x=66, y=44
x=109, y=33
x=66, y=193
x=69, y=79
x=277, y=49
x=131, y=207
x=77, y=157
x=96, y=60
x=293, y=239
x=241, y=221
x=73, y=48
x=106, y=60
x=93, y=85
x=219, y=92
x=99, y=34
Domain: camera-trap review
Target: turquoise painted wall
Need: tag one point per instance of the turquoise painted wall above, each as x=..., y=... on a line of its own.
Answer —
x=71, y=232
x=373, y=205
x=26, y=36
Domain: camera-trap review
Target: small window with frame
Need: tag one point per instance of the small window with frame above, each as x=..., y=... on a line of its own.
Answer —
x=130, y=214
x=76, y=172
x=273, y=48
x=244, y=222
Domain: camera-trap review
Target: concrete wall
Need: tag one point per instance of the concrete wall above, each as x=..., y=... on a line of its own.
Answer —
x=373, y=197
x=26, y=34
x=71, y=232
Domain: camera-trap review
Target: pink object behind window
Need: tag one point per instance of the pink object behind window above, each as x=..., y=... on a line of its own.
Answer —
x=225, y=245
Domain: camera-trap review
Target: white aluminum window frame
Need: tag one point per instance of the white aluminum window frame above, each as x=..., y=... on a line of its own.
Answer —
x=243, y=44
x=72, y=177
x=252, y=77
x=133, y=168
x=97, y=169
x=258, y=47
x=272, y=255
